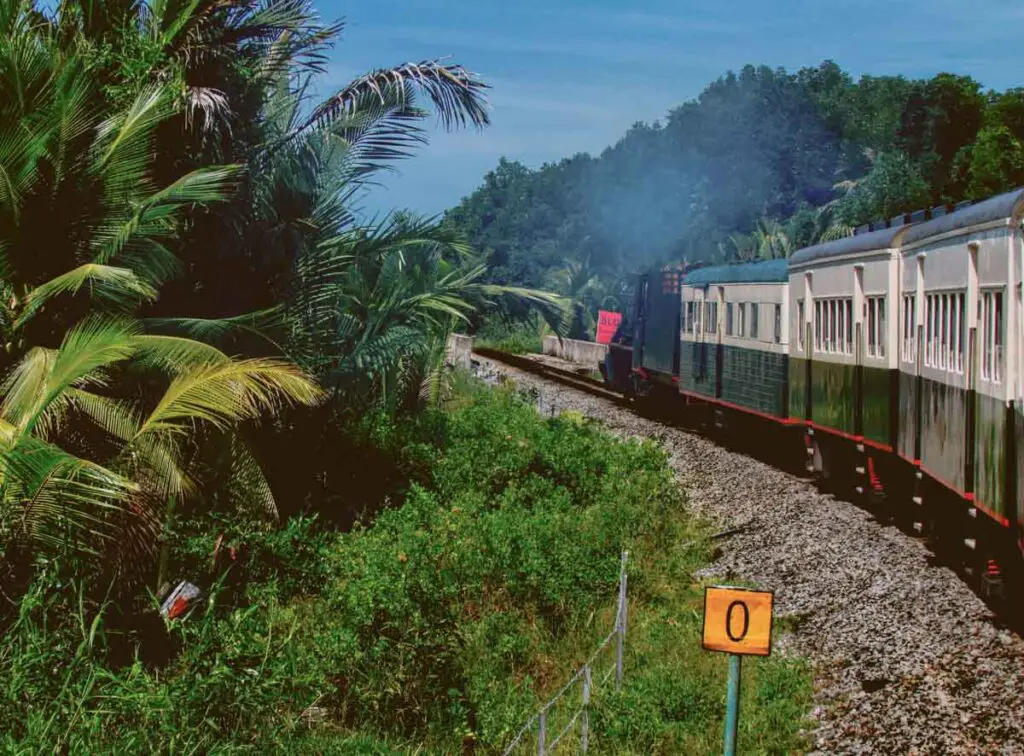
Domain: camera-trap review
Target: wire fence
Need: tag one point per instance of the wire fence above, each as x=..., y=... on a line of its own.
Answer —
x=567, y=713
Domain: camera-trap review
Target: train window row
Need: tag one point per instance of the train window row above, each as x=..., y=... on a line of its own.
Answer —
x=741, y=319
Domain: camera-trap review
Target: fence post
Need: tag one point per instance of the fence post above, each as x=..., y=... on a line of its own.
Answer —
x=585, y=716
x=620, y=622
x=541, y=731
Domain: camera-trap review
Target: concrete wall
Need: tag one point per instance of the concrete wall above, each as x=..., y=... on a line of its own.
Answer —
x=586, y=353
x=460, y=351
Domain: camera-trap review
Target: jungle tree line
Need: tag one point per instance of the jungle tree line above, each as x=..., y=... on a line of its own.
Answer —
x=763, y=162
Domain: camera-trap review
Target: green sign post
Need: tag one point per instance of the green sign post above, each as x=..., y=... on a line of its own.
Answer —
x=732, y=704
x=737, y=621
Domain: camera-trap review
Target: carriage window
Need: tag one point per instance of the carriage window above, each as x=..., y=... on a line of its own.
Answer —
x=840, y=325
x=997, y=363
x=754, y=306
x=728, y=319
x=944, y=314
x=778, y=324
x=929, y=305
x=880, y=303
x=992, y=336
x=876, y=326
x=710, y=317
x=801, y=324
x=909, y=327
x=833, y=325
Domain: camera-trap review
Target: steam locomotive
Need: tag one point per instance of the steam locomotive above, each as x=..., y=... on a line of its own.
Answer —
x=891, y=361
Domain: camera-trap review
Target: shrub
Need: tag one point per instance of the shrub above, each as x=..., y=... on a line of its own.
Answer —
x=514, y=338
x=445, y=621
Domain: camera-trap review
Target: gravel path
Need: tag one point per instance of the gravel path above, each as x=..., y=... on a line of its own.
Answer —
x=908, y=658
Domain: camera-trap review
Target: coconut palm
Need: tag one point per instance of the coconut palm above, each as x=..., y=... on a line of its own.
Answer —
x=374, y=306
x=78, y=452
x=357, y=305
x=98, y=418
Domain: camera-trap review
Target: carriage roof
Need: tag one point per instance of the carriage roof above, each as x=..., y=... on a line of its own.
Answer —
x=763, y=271
x=1008, y=205
x=884, y=238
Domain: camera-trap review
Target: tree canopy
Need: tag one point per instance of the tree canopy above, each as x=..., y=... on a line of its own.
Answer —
x=762, y=162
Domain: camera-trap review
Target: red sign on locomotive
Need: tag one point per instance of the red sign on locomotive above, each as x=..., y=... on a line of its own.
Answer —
x=607, y=322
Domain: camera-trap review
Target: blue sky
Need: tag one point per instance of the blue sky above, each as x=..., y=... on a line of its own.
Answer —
x=571, y=76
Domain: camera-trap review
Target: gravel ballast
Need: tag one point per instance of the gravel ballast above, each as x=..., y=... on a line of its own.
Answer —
x=908, y=659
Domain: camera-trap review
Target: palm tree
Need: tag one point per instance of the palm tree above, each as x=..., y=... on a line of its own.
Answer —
x=356, y=305
x=98, y=418
x=580, y=281
x=78, y=453
x=374, y=307
x=771, y=240
x=360, y=307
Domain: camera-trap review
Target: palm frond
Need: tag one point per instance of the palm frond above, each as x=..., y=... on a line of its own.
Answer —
x=200, y=186
x=111, y=285
x=65, y=501
x=122, y=143
x=39, y=381
x=836, y=231
x=158, y=459
x=248, y=487
x=174, y=355
x=457, y=95
x=225, y=394
x=223, y=331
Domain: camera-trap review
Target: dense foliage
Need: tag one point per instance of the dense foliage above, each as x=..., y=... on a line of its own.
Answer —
x=761, y=163
x=164, y=160
x=444, y=623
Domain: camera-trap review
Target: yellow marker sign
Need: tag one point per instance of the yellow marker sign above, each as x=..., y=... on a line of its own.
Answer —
x=737, y=621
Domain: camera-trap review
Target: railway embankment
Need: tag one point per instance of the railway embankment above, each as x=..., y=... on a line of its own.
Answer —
x=907, y=658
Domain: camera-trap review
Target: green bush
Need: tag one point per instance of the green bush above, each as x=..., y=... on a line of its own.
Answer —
x=445, y=621
x=514, y=338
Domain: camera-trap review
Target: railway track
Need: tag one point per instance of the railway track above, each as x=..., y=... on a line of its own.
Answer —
x=908, y=658
x=569, y=378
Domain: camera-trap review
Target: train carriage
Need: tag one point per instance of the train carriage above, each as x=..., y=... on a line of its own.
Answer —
x=960, y=352
x=843, y=372
x=734, y=340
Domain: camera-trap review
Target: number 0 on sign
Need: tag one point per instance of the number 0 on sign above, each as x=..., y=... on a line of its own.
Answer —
x=737, y=621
